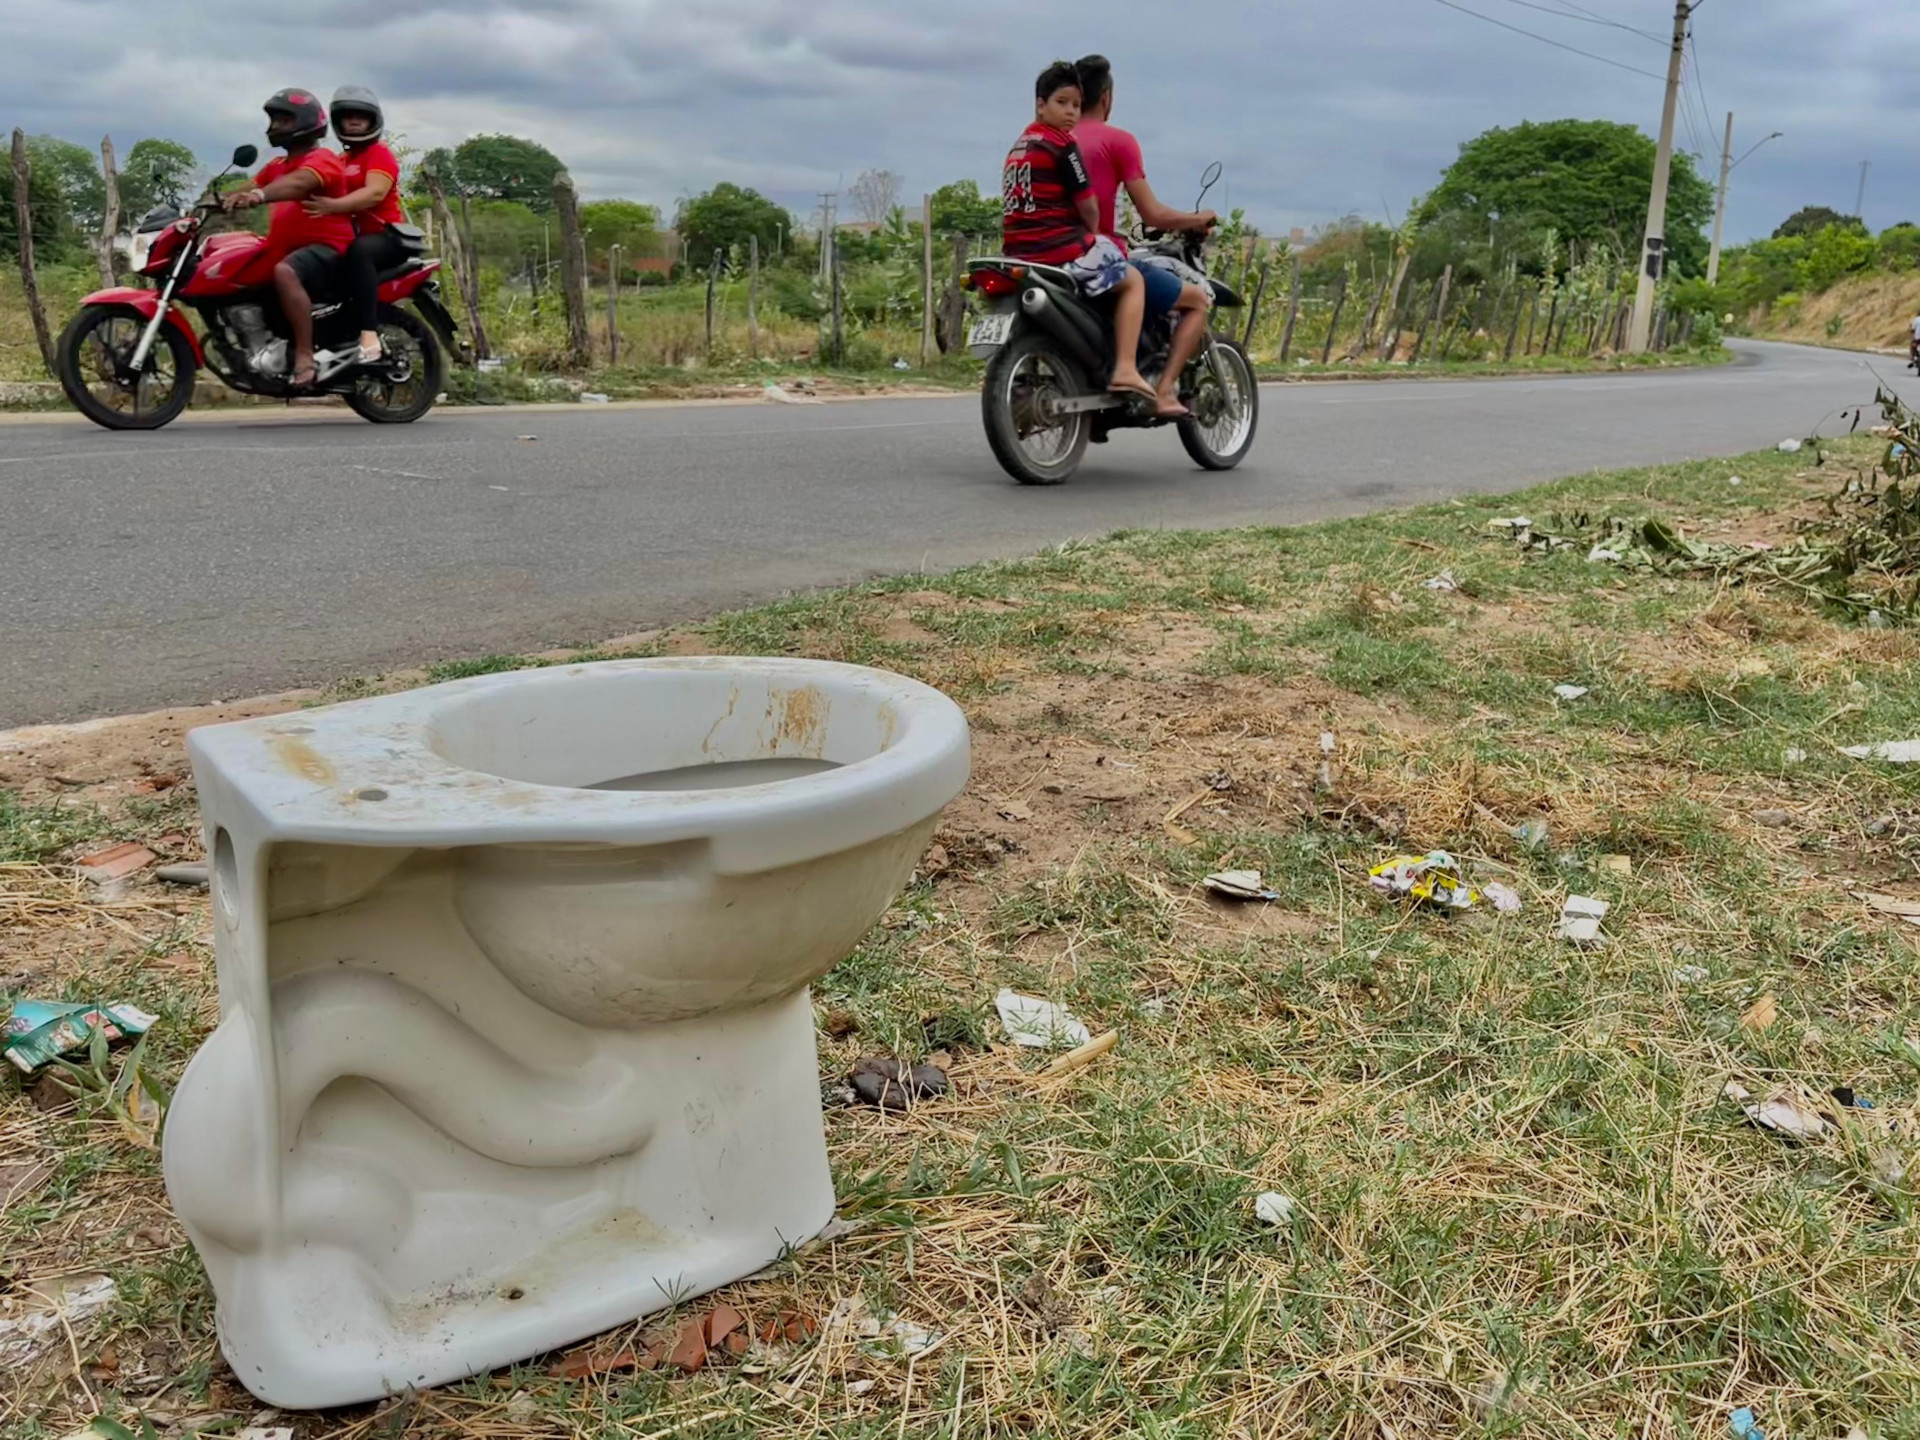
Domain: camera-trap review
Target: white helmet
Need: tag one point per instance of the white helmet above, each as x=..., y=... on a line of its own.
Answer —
x=358, y=100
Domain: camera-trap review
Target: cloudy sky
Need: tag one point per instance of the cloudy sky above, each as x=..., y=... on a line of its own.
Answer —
x=1317, y=107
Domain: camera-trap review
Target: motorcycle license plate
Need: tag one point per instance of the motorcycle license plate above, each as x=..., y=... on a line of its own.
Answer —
x=990, y=331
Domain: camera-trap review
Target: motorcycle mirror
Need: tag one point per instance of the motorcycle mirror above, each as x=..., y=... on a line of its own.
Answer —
x=1207, y=180
x=245, y=155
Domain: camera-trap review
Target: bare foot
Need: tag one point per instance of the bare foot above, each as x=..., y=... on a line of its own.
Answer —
x=1166, y=407
x=305, y=372
x=1130, y=379
x=370, y=350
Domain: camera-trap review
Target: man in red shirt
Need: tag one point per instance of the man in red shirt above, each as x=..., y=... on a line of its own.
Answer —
x=1112, y=157
x=304, y=249
x=1048, y=212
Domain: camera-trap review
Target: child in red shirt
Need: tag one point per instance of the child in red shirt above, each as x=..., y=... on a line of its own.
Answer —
x=1048, y=212
x=373, y=202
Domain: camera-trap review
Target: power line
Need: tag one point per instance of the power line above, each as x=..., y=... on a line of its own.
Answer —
x=1544, y=40
x=1589, y=18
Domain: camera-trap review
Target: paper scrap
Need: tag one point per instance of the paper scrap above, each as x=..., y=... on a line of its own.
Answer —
x=1039, y=1024
x=1273, y=1208
x=1894, y=752
x=1240, y=884
x=1580, y=917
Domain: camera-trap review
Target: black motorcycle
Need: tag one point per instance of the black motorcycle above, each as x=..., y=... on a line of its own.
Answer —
x=1049, y=353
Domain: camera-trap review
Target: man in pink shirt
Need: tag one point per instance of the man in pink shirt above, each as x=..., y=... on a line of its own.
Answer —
x=1113, y=159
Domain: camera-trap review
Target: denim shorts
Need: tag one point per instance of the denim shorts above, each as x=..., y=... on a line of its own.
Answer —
x=1163, y=287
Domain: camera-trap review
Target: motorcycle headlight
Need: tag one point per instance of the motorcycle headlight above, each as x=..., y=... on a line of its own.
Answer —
x=137, y=248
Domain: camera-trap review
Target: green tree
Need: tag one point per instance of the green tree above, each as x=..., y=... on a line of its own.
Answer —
x=1899, y=246
x=724, y=217
x=960, y=209
x=501, y=167
x=634, y=227
x=155, y=172
x=1833, y=252
x=67, y=193
x=1589, y=180
x=1811, y=219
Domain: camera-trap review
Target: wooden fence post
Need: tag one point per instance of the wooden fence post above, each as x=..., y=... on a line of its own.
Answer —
x=573, y=270
x=1293, y=313
x=1513, y=334
x=23, y=220
x=1396, y=303
x=1553, y=311
x=753, y=296
x=613, y=305
x=926, y=280
x=956, y=307
x=1660, y=330
x=713, y=278
x=1533, y=319
x=110, y=212
x=1389, y=286
x=1437, y=308
x=1333, y=325
x=1253, y=306
x=839, y=341
x=464, y=281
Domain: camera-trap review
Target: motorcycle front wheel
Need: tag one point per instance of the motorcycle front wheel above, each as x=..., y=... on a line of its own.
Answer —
x=409, y=377
x=1226, y=409
x=1026, y=379
x=94, y=362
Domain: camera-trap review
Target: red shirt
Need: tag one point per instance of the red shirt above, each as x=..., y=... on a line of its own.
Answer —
x=361, y=162
x=1112, y=157
x=1039, y=183
x=290, y=228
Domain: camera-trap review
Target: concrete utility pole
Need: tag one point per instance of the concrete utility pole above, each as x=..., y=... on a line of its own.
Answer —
x=1720, y=205
x=1720, y=208
x=1653, y=251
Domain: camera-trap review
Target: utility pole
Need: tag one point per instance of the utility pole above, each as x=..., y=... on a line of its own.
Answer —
x=1653, y=250
x=1720, y=205
x=1860, y=196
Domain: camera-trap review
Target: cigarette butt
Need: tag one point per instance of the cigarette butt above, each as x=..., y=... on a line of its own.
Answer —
x=1083, y=1055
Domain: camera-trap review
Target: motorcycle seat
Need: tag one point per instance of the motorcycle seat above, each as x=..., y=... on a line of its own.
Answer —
x=406, y=266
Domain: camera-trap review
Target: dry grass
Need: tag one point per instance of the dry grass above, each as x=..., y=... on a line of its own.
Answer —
x=1522, y=1206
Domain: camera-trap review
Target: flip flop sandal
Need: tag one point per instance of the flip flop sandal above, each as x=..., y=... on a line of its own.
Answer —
x=1144, y=390
x=373, y=356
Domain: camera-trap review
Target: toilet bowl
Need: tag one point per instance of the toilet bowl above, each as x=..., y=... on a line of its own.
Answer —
x=515, y=1039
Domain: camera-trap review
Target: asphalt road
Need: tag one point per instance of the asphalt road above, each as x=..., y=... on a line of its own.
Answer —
x=228, y=556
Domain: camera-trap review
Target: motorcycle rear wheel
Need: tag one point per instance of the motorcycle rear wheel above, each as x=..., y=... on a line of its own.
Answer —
x=1033, y=445
x=92, y=363
x=1220, y=432
x=406, y=382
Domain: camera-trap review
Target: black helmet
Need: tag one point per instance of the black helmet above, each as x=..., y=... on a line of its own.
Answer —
x=304, y=109
x=358, y=100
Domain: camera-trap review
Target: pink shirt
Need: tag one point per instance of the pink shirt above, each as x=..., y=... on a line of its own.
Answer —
x=1113, y=158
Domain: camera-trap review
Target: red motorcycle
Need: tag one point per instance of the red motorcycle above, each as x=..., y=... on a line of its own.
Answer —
x=129, y=357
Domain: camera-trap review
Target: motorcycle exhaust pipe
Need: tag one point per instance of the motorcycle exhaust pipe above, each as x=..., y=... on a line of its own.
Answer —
x=1040, y=308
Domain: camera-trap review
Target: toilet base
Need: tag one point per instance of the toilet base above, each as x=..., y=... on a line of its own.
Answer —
x=415, y=1271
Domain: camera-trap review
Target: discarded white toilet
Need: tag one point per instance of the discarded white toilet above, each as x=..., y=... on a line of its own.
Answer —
x=515, y=1039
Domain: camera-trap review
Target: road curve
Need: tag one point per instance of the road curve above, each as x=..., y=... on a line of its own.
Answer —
x=232, y=555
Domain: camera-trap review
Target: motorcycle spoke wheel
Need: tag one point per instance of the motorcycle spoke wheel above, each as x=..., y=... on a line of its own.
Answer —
x=1034, y=386
x=396, y=383
x=104, y=356
x=1222, y=405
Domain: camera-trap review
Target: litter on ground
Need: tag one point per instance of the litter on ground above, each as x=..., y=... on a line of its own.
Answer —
x=1240, y=885
x=1780, y=1112
x=53, y=1310
x=1273, y=1208
x=1038, y=1024
x=40, y=1030
x=1505, y=899
x=1894, y=752
x=1433, y=879
x=1580, y=917
x=1569, y=692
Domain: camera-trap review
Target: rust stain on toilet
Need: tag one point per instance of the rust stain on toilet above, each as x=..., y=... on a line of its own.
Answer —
x=799, y=718
x=302, y=759
x=733, y=699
